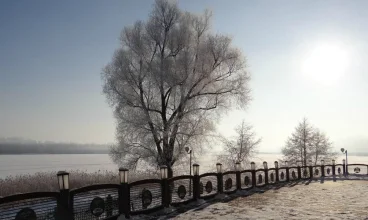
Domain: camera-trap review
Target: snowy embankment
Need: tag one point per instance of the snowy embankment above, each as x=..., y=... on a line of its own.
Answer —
x=340, y=198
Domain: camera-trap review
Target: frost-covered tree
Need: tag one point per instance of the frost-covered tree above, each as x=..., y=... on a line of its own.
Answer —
x=321, y=148
x=168, y=82
x=239, y=148
x=306, y=144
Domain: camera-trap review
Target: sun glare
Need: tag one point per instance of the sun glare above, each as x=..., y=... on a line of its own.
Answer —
x=326, y=63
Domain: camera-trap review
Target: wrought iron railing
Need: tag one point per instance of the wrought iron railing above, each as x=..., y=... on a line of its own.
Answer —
x=108, y=201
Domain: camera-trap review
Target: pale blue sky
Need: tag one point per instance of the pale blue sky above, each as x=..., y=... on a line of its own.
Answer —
x=52, y=53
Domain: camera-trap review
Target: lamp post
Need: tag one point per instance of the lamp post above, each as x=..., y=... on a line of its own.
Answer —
x=310, y=169
x=238, y=180
x=63, y=202
x=346, y=158
x=253, y=168
x=265, y=167
x=196, y=190
x=299, y=162
x=124, y=204
x=189, y=151
x=220, y=185
x=343, y=166
x=165, y=186
x=277, y=171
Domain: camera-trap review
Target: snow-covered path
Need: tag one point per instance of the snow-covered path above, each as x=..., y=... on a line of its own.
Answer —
x=343, y=199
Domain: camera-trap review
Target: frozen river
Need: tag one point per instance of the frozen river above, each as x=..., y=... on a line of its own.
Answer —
x=29, y=164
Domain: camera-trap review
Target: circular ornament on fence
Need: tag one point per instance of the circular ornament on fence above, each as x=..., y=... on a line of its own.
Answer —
x=228, y=184
x=357, y=170
x=272, y=177
x=328, y=170
x=182, y=191
x=146, y=198
x=260, y=178
x=97, y=206
x=339, y=170
x=209, y=187
x=26, y=214
x=246, y=180
x=316, y=172
x=293, y=174
x=282, y=175
x=305, y=173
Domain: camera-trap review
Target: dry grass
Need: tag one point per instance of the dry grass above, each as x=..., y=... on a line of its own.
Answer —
x=47, y=181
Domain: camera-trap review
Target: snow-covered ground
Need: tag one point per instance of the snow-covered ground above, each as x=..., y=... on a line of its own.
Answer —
x=344, y=198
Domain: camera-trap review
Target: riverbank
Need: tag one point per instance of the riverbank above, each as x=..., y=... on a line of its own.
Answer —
x=47, y=181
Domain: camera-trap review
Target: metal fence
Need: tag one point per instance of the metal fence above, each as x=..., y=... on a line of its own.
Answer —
x=108, y=201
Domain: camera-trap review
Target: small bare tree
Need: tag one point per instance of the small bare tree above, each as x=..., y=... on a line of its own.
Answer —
x=297, y=145
x=321, y=148
x=240, y=147
x=307, y=143
x=168, y=82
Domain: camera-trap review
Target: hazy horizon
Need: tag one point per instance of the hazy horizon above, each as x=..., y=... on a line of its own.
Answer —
x=52, y=54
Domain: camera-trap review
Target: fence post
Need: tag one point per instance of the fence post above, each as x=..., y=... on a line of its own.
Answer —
x=265, y=166
x=63, y=206
x=196, y=190
x=238, y=179
x=253, y=168
x=165, y=188
x=322, y=168
x=299, y=172
x=311, y=172
x=220, y=183
x=277, y=171
x=124, y=193
x=287, y=172
x=333, y=167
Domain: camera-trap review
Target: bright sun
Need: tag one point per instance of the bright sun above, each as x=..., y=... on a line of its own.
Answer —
x=326, y=63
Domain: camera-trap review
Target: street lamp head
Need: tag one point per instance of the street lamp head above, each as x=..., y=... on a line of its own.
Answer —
x=342, y=150
x=237, y=166
x=123, y=174
x=195, y=169
x=188, y=150
x=219, y=167
x=63, y=180
x=164, y=172
x=252, y=166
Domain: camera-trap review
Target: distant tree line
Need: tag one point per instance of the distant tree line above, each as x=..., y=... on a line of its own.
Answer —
x=51, y=148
